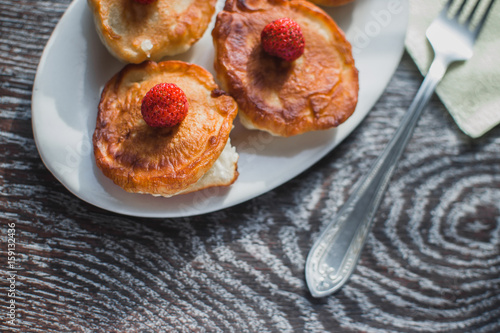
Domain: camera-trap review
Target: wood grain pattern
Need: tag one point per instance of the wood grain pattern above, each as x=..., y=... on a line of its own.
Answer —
x=431, y=263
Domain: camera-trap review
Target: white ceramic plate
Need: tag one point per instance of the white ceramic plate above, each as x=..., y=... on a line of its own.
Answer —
x=75, y=66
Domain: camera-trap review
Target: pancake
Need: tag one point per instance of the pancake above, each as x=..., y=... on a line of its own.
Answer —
x=192, y=155
x=331, y=2
x=135, y=32
x=317, y=91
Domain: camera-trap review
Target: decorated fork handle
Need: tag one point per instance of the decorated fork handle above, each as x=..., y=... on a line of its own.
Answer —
x=335, y=253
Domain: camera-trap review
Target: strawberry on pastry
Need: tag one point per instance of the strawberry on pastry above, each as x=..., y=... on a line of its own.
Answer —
x=145, y=2
x=316, y=91
x=165, y=105
x=283, y=38
x=194, y=154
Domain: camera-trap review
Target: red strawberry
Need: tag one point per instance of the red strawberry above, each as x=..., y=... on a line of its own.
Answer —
x=165, y=105
x=283, y=38
x=145, y=2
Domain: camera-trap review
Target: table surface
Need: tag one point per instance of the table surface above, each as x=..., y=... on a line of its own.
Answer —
x=431, y=262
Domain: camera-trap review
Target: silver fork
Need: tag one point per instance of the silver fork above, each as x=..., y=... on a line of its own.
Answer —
x=334, y=255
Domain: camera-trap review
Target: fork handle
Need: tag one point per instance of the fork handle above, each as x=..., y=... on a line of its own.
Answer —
x=334, y=255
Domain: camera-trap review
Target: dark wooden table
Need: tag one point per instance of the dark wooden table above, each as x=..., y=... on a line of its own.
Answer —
x=431, y=263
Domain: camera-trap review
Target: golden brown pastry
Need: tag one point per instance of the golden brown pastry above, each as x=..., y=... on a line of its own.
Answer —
x=319, y=90
x=134, y=32
x=331, y=2
x=192, y=155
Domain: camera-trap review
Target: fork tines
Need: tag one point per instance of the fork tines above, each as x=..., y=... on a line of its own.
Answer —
x=471, y=11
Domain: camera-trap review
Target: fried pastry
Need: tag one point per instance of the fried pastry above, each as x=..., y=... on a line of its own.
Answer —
x=319, y=90
x=165, y=161
x=135, y=32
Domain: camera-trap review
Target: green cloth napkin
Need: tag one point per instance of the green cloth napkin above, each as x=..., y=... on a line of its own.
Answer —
x=470, y=90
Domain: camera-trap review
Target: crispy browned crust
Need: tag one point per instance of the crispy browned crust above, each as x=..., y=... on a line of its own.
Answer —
x=171, y=26
x=160, y=161
x=317, y=91
x=331, y=2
